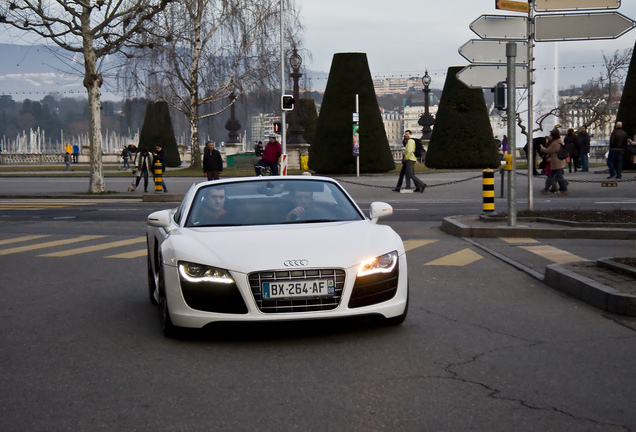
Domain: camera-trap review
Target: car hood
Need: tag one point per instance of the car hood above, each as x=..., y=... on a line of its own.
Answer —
x=256, y=248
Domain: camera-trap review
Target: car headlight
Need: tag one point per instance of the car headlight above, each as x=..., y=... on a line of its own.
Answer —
x=201, y=273
x=381, y=264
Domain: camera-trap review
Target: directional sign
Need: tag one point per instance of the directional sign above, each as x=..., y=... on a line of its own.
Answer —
x=501, y=27
x=566, y=5
x=487, y=76
x=568, y=27
x=515, y=6
x=492, y=51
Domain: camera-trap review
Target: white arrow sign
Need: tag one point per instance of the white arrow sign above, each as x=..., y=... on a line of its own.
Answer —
x=566, y=5
x=492, y=51
x=567, y=27
x=487, y=76
x=501, y=27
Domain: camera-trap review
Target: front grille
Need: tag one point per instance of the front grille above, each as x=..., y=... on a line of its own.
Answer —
x=297, y=305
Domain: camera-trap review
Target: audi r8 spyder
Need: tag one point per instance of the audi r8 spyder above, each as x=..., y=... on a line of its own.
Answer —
x=273, y=248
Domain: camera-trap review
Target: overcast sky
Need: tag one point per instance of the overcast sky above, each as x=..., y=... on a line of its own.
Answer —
x=404, y=37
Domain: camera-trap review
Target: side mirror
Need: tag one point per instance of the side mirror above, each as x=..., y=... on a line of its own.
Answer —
x=378, y=210
x=160, y=219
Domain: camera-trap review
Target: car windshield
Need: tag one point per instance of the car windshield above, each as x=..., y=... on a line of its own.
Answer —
x=269, y=202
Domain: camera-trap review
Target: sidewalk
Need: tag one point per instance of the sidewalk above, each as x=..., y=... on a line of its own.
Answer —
x=603, y=283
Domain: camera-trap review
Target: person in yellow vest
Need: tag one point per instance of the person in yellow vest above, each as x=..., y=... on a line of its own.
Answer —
x=68, y=148
x=409, y=162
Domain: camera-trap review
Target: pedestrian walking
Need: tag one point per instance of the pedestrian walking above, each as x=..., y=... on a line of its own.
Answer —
x=125, y=155
x=583, y=142
x=573, y=150
x=556, y=164
x=67, y=160
x=144, y=165
x=409, y=162
x=212, y=161
x=618, y=142
x=398, y=186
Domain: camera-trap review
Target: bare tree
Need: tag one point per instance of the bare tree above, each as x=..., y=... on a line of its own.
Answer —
x=589, y=105
x=208, y=53
x=94, y=28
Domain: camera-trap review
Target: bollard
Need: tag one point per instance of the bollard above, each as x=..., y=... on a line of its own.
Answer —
x=489, y=191
x=158, y=179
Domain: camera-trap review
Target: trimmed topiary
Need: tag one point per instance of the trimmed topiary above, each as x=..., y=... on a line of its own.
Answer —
x=157, y=129
x=627, y=108
x=331, y=150
x=462, y=136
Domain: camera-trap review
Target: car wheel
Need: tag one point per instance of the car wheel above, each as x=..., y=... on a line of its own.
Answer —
x=396, y=321
x=152, y=286
x=168, y=329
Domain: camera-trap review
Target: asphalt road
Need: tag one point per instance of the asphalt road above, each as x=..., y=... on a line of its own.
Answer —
x=485, y=346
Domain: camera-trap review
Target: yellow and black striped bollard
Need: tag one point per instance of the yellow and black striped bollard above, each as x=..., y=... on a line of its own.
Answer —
x=489, y=191
x=158, y=179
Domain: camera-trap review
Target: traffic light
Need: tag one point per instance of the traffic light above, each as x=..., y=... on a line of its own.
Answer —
x=500, y=95
x=287, y=102
x=278, y=127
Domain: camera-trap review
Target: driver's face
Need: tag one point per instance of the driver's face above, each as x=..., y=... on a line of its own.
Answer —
x=304, y=199
x=216, y=199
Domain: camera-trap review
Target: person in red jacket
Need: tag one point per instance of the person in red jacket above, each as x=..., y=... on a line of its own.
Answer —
x=270, y=157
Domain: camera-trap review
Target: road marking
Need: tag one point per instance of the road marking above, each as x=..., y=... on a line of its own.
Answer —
x=458, y=259
x=128, y=255
x=48, y=244
x=99, y=247
x=22, y=239
x=414, y=244
x=512, y=240
x=553, y=254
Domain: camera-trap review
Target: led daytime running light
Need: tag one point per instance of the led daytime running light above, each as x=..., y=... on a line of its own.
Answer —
x=210, y=274
x=382, y=264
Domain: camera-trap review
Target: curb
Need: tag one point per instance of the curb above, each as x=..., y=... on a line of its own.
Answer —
x=589, y=290
x=451, y=225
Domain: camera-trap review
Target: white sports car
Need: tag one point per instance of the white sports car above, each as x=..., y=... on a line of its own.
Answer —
x=273, y=248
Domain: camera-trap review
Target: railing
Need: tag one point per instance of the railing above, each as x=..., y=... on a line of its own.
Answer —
x=30, y=159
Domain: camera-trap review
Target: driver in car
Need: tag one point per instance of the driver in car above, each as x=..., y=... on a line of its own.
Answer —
x=304, y=207
x=210, y=210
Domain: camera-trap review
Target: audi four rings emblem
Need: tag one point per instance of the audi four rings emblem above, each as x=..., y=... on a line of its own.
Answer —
x=296, y=263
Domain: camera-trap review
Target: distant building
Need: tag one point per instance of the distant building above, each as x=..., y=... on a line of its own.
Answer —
x=261, y=126
x=393, y=125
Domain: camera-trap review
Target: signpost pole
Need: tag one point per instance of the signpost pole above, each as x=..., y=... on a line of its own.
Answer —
x=356, y=135
x=511, y=54
x=530, y=137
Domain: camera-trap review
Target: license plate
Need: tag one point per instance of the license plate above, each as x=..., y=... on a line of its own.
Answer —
x=298, y=289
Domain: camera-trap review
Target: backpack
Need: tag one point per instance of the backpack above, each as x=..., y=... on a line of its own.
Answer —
x=419, y=148
x=563, y=152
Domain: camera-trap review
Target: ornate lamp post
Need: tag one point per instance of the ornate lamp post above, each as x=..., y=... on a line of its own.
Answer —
x=232, y=125
x=295, y=129
x=426, y=120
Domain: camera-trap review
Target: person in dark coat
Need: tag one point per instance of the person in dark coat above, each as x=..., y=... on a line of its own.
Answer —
x=573, y=150
x=212, y=161
x=583, y=142
x=618, y=141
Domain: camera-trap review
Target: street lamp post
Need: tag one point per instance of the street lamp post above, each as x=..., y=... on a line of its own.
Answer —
x=426, y=120
x=296, y=130
x=232, y=125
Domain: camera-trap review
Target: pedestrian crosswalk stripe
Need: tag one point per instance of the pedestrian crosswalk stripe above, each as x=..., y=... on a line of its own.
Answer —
x=129, y=255
x=512, y=240
x=459, y=259
x=414, y=244
x=22, y=239
x=48, y=244
x=96, y=247
x=553, y=254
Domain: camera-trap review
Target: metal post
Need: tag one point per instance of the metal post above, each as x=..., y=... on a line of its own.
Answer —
x=511, y=55
x=488, y=191
x=531, y=153
x=283, y=139
x=358, y=156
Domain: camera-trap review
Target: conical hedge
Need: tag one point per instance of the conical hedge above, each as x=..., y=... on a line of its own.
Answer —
x=627, y=108
x=331, y=150
x=157, y=129
x=462, y=136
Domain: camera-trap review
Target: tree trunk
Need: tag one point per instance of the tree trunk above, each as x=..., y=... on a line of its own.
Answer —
x=93, y=82
x=194, y=92
x=194, y=141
